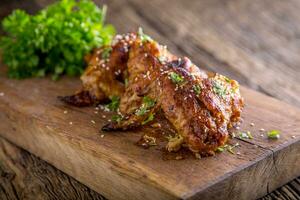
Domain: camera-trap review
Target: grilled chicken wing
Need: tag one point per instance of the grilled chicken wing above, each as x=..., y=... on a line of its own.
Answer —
x=105, y=74
x=200, y=106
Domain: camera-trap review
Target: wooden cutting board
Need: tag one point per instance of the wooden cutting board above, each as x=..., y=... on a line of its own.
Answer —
x=113, y=165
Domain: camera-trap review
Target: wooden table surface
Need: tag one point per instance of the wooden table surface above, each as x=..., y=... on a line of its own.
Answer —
x=254, y=41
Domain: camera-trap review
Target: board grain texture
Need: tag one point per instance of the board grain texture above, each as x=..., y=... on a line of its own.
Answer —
x=242, y=39
x=114, y=166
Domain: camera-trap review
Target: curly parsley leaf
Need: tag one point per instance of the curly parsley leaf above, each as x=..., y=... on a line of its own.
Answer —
x=54, y=40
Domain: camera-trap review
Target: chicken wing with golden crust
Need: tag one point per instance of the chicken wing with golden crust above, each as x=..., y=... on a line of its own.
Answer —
x=105, y=75
x=200, y=106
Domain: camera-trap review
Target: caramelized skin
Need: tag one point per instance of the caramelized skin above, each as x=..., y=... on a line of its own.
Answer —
x=105, y=74
x=201, y=106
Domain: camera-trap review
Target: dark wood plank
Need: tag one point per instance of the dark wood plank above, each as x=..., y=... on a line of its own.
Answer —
x=30, y=112
x=24, y=176
x=136, y=16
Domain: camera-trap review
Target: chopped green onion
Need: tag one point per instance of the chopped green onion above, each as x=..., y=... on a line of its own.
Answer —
x=197, y=89
x=114, y=104
x=227, y=79
x=106, y=53
x=227, y=147
x=176, y=78
x=126, y=82
x=162, y=58
x=116, y=118
x=220, y=149
x=230, y=148
x=245, y=135
x=147, y=104
x=149, y=119
x=143, y=36
x=141, y=111
x=273, y=134
x=219, y=89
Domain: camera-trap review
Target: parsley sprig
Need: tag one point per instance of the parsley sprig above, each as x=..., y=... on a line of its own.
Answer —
x=54, y=40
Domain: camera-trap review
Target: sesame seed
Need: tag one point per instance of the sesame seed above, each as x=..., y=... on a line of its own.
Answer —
x=93, y=121
x=262, y=130
x=146, y=55
x=197, y=155
x=262, y=135
x=293, y=136
x=103, y=116
x=102, y=136
x=96, y=112
x=96, y=108
x=251, y=124
x=237, y=128
x=1, y=94
x=65, y=112
x=109, y=120
x=70, y=123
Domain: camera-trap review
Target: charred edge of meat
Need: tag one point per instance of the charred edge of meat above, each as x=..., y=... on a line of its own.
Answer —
x=80, y=99
x=114, y=126
x=110, y=127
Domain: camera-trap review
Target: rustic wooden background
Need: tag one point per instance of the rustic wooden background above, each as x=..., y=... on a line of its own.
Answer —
x=256, y=42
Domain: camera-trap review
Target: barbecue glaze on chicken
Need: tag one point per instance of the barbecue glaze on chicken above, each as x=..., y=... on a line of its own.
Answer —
x=150, y=81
